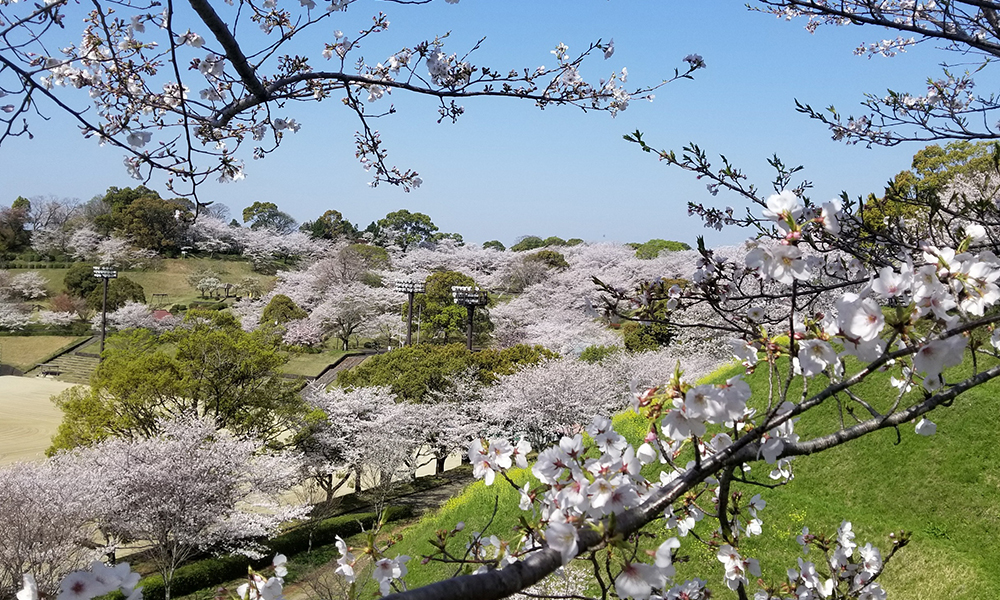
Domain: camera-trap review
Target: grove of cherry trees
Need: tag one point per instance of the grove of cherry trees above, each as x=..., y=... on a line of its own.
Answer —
x=828, y=295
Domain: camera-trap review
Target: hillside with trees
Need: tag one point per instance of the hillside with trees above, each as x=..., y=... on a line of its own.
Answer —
x=646, y=410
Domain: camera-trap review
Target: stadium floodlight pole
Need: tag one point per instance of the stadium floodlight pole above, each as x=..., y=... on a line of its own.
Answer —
x=104, y=273
x=410, y=288
x=469, y=297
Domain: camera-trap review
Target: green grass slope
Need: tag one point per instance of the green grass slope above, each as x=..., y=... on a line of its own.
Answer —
x=943, y=489
x=170, y=278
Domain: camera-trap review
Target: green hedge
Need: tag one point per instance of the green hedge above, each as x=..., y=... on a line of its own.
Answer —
x=211, y=572
x=36, y=265
x=208, y=304
x=76, y=328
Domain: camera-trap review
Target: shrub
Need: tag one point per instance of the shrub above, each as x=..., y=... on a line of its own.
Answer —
x=654, y=247
x=413, y=371
x=282, y=309
x=528, y=242
x=549, y=258
x=595, y=354
x=80, y=280
x=641, y=338
x=210, y=572
x=120, y=290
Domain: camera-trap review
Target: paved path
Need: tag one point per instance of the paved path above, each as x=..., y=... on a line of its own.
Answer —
x=429, y=500
x=28, y=419
x=349, y=362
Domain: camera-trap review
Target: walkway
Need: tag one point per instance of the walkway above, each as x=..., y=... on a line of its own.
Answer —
x=345, y=364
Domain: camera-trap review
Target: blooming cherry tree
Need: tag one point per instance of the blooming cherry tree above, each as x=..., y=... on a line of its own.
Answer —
x=43, y=515
x=821, y=309
x=191, y=488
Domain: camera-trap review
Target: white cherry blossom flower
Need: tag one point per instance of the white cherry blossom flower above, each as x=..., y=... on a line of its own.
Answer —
x=937, y=355
x=859, y=319
x=782, y=206
x=562, y=537
x=814, y=356
x=636, y=581
x=30, y=589
x=925, y=427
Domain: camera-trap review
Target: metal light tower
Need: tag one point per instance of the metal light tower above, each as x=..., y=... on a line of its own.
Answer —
x=469, y=297
x=410, y=288
x=104, y=273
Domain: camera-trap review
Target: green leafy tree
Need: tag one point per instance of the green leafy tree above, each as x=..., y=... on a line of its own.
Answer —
x=553, y=241
x=549, y=258
x=639, y=337
x=596, y=354
x=330, y=226
x=574, y=242
x=961, y=175
x=132, y=387
x=442, y=319
x=456, y=237
x=280, y=310
x=265, y=215
x=79, y=280
x=218, y=371
x=651, y=249
x=154, y=223
x=13, y=236
x=120, y=290
x=113, y=204
x=495, y=244
x=406, y=229
x=86, y=419
x=413, y=372
x=528, y=242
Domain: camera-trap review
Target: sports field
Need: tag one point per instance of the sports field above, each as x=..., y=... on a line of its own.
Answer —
x=28, y=419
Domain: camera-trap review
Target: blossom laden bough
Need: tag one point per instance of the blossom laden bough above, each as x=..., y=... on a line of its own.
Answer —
x=189, y=93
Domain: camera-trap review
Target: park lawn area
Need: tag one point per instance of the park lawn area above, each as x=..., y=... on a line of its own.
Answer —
x=53, y=277
x=311, y=365
x=170, y=278
x=941, y=488
x=24, y=352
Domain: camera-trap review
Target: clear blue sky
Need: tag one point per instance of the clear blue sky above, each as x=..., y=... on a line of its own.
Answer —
x=507, y=169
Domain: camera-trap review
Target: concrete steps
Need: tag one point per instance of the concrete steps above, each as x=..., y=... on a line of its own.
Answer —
x=74, y=367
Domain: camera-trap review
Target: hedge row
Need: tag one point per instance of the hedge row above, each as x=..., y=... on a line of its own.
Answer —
x=210, y=572
x=76, y=328
x=32, y=265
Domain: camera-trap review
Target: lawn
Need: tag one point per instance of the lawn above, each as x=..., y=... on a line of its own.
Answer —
x=24, y=352
x=942, y=488
x=170, y=278
x=310, y=365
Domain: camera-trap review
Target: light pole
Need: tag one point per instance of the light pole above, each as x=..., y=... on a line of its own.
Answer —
x=104, y=273
x=410, y=288
x=469, y=297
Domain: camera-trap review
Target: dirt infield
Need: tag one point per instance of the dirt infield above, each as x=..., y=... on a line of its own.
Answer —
x=27, y=419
